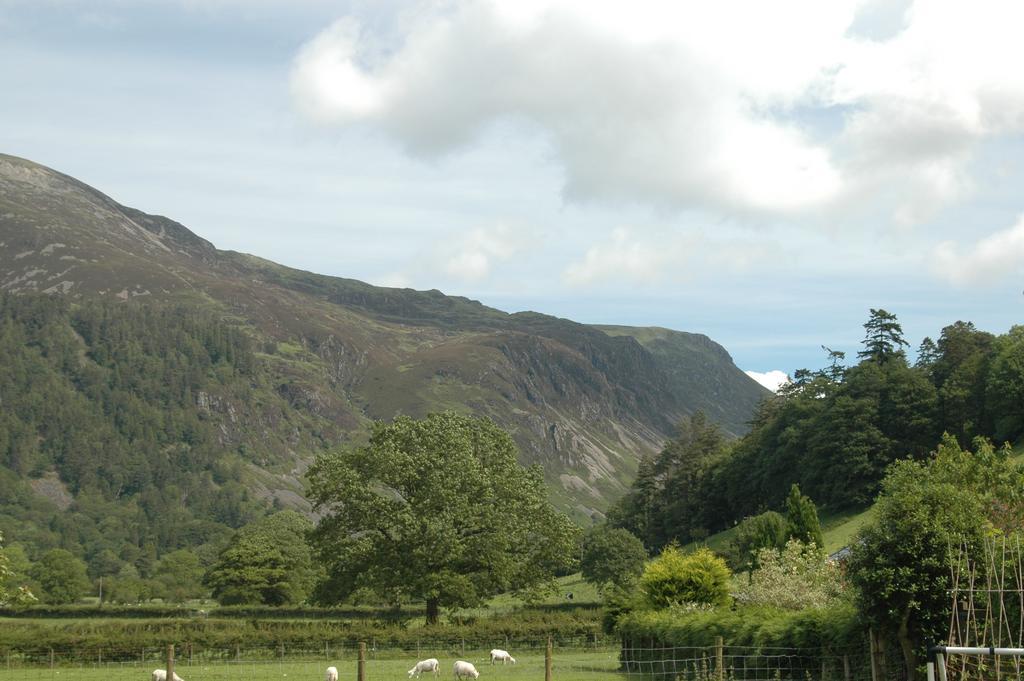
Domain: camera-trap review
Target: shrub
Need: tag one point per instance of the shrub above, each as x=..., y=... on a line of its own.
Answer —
x=833, y=628
x=767, y=530
x=797, y=577
x=674, y=578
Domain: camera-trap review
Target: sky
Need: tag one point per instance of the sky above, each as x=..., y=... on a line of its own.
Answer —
x=763, y=173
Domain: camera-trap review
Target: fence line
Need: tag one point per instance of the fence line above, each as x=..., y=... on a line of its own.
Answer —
x=586, y=659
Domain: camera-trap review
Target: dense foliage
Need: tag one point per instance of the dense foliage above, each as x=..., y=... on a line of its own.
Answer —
x=796, y=577
x=654, y=635
x=267, y=562
x=309, y=631
x=901, y=561
x=105, y=416
x=675, y=578
x=12, y=590
x=611, y=558
x=833, y=432
x=436, y=509
x=766, y=530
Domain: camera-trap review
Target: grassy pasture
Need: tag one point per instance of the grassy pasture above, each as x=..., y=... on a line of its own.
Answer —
x=569, y=664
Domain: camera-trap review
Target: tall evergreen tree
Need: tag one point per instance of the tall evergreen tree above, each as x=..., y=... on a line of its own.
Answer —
x=802, y=518
x=883, y=338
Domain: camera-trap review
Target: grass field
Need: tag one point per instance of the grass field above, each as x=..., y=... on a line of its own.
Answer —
x=837, y=528
x=576, y=664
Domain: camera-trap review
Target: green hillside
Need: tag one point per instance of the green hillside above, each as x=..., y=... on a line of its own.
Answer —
x=163, y=378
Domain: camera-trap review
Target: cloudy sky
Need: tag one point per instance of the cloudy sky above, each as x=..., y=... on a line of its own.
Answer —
x=763, y=173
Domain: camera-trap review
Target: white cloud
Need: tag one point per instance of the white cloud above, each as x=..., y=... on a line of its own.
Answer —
x=622, y=257
x=990, y=260
x=772, y=380
x=695, y=103
x=471, y=256
x=651, y=257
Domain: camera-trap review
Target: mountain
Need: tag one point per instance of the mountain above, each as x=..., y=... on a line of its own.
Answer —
x=312, y=359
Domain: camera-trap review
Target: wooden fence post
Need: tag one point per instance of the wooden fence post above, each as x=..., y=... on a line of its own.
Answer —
x=876, y=667
x=51, y=658
x=846, y=668
x=547, y=661
x=361, y=663
x=170, y=662
x=719, y=658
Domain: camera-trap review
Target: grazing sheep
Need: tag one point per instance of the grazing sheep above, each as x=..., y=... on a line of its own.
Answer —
x=499, y=654
x=161, y=675
x=332, y=674
x=464, y=669
x=428, y=665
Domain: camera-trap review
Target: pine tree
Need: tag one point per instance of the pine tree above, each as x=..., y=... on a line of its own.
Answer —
x=802, y=518
x=884, y=337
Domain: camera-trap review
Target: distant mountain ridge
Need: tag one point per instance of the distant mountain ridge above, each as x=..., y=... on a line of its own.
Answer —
x=583, y=401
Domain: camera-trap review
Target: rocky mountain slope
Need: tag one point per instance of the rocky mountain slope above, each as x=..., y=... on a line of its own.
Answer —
x=583, y=401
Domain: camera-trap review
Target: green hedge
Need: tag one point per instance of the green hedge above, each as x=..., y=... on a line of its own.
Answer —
x=128, y=636
x=188, y=611
x=653, y=638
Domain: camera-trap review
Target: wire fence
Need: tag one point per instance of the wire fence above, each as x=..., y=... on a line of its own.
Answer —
x=584, y=659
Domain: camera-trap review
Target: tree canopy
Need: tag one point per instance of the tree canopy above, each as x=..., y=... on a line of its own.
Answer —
x=900, y=562
x=60, y=576
x=611, y=557
x=834, y=432
x=268, y=562
x=802, y=519
x=436, y=509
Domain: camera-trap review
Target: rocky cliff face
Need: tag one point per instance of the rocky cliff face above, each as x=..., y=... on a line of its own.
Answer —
x=584, y=402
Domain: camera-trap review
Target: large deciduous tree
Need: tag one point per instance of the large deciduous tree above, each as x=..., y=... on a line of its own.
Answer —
x=11, y=592
x=267, y=562
x=612, y=558
x=61, y=577
x=436, y=509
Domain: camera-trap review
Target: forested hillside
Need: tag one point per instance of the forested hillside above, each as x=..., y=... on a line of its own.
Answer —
x=159, y=391
x=833, y=431
x=100, y=421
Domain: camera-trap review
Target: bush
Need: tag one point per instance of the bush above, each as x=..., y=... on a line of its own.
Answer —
x=800, y=576
x=654, y=636
x=675, y=578
x=767, y=530
x=249, y=629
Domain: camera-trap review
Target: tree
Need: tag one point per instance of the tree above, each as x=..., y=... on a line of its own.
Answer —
x=1005, y=387
x=927, y=354
x=835, y=370
x=11, y=592
x=767, y=530
x=268, y=562
x=634, y=510
x=802, y=518
x=436, y=509
x=674, y=578
x=61, y=577
x=612, y=557
x=899, y=561
x=883, y=339
x=180, y=575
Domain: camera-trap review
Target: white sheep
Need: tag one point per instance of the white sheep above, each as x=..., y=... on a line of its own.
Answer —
x=464, y=669
x=499, y=654
x=428, y=665
x=161, y=675
x=332, y=674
